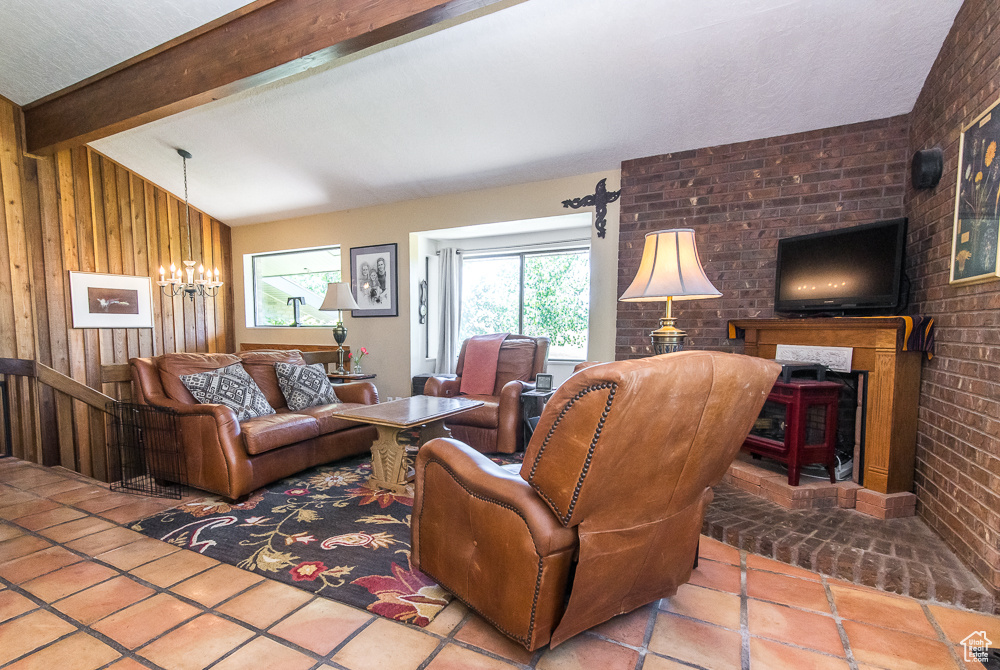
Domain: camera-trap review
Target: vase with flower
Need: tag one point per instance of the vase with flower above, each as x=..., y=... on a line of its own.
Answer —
x=357, y=361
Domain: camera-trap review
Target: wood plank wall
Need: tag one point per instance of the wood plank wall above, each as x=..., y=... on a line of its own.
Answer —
x=79, y=210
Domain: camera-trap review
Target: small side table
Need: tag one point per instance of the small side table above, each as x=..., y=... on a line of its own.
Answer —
x=349, y=377
x=532, y=404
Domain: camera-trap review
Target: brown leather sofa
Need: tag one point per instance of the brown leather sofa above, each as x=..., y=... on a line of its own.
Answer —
x=609, y=503
x=496, y=424
x=234, y=458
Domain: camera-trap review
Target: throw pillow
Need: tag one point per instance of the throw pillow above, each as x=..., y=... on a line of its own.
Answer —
x=305, y=385
x=230, y=386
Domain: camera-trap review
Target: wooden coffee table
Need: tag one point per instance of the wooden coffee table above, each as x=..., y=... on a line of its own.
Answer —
x=390, y=464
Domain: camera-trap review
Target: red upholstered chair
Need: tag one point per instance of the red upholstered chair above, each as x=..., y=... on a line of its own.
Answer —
x=496, y=425
x=613, y=491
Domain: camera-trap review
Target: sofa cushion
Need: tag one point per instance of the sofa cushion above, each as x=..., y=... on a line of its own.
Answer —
x=305, y=385
x=172, y=366
x=265, y=433
x=260, y=365
x=230, y=386
x=327, y=419
x=486, y=415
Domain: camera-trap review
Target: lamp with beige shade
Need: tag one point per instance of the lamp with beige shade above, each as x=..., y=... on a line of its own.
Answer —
x=338, y=298
x=669, y=270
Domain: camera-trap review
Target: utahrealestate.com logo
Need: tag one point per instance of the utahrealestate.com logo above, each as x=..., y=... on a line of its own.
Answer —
x=977, y=647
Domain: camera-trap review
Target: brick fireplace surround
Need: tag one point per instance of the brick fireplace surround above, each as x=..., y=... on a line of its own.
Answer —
x=741, y=198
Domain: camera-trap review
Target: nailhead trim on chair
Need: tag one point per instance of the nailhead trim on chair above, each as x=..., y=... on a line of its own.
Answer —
x=526, y=641
x=564, y=518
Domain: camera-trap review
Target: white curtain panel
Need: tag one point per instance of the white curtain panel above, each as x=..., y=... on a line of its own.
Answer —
x=450, y=300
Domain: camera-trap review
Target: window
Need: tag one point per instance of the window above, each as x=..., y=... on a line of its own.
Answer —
x=538, y=294
x=304, y=273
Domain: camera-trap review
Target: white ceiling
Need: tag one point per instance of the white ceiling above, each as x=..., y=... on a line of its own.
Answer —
x=539, y=90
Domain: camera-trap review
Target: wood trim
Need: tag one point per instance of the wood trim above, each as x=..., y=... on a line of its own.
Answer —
x=263, y=43
x=73, y=388
x=119, y=373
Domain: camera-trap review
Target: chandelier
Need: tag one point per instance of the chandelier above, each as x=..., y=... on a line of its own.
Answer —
x=181, y=282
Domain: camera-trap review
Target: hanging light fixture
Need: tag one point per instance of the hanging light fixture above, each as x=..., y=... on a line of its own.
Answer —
x=178, y=283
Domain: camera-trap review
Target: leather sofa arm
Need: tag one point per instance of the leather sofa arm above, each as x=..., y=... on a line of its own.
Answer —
x=510, y=435
x=443, y=387
x=223, y=415
x=481, y=477
x=359, y=392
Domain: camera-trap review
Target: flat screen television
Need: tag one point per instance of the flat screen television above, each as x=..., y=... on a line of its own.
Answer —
x=850, y=270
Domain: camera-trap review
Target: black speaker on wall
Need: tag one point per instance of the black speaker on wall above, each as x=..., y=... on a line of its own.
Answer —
x=926, y=169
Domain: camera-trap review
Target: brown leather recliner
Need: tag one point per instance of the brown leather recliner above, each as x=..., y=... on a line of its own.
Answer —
x=496, y=425
x=613, y=491
x=233, y=458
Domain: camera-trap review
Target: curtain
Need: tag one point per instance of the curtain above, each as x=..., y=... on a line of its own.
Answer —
x=450, y=300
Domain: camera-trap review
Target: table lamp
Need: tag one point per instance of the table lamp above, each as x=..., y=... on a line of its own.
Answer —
x=339, y=297
x=669, y=270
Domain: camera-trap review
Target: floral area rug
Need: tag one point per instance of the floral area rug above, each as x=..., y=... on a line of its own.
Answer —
x=321, y=530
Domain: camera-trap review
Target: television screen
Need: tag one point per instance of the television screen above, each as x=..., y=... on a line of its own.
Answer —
x=851, y=269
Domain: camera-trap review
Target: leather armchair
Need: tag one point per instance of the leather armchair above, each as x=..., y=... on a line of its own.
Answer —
x=608, y=506
x=496, y=425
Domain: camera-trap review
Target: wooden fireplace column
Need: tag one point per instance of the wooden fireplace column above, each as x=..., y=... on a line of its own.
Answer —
x=893, y=384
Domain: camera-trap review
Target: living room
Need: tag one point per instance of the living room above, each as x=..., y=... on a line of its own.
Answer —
x=117, y=206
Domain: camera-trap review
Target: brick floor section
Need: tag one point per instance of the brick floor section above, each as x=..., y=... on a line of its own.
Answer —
x=897, y=555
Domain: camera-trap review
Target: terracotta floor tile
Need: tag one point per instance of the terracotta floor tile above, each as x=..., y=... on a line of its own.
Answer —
x=715, y=575
x=321, y=625
x=478, y=632
x=212, y=587
x=386, y=645
x=26, y=633
x=787, y=624
x=262, y=605
x=454, y=657
x=697, y=602
x=33, y=479
x=137, y=553
x=714, y=550
x=107, y=501
x=103, y=541
x=134, y=511
x=55, y=488
x=197, y=643
x=628, y=628
x=768, y=655
x=705, y=645
x=68, y=580
x=787, y=591
x=264, y=653
x=448, y=618
x=78, y=494
x=99, y=601
x=127, y=664
x=654, y=662
x=9, y=531
x=880, y=609
x=957, y=624
x=21, y=546
x=52, y=517
x=174, y=567
x=76, y=652
x=66, y=532
x=756, y=562
x=39, y=563
x=584, y=651
x=145, y=620
x=13, y=604
x=14, y=512
x=14, y=497
x=892, y=649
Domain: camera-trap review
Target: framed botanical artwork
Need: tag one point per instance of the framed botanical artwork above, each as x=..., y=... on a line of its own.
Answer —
x=975, y=245
x=374, y=280
x=110, y=301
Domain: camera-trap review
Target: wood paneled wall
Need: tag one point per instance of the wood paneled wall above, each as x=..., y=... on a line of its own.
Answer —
x=79, y=210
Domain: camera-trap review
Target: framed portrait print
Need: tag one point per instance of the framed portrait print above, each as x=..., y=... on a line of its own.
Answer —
x=374, y=280
x=975, y=245
x=110, y=301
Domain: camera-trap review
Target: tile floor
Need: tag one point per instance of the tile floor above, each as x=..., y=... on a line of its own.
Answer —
x=78, y=591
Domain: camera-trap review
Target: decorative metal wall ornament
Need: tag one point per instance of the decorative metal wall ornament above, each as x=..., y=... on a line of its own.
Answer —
x=600, y=199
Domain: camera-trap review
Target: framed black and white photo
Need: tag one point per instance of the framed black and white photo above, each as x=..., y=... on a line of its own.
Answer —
x=374, y=280
x=110, y=301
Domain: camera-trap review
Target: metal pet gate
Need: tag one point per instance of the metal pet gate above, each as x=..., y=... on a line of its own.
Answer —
x=146, y=456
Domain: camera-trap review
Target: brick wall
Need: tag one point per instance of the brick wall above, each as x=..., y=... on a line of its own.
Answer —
x=740, y=199
x=958, y=450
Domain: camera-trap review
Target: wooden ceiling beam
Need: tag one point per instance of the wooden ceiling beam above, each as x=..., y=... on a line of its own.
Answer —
x=261, y=43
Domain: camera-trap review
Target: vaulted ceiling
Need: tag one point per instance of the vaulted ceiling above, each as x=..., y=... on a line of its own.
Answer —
x=531, y=90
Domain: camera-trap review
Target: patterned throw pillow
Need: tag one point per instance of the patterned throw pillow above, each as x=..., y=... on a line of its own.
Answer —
x=230, y=386
x=305, y=385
